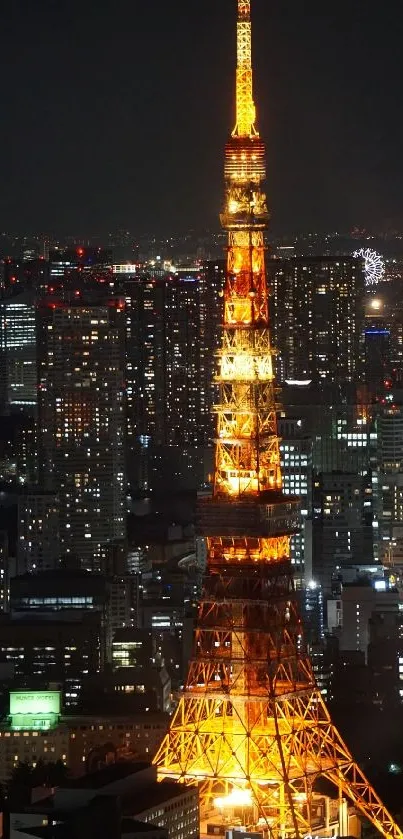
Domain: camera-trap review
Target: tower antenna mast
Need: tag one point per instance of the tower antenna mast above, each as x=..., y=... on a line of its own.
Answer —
x=245, y=107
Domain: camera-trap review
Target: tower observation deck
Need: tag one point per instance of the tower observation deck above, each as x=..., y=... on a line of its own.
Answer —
x=251, y=728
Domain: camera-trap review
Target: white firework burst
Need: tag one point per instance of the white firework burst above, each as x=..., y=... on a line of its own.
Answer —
x=374, y=266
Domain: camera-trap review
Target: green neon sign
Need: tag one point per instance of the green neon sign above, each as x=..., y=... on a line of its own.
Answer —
x=35, y=702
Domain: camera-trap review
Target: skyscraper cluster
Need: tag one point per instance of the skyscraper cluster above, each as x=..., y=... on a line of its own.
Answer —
x=115, y=375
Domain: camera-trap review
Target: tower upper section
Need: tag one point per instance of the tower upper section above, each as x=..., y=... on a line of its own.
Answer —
x=244, y=167
x=245, y=108
x=247, y=451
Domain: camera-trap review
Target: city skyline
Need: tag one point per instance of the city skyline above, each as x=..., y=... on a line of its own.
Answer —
x=201, y=447
x=111, y=109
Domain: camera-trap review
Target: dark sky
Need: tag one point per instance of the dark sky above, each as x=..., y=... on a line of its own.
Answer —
x=115, y=112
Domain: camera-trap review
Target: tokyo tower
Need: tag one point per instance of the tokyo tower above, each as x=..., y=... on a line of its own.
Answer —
x=251, y=728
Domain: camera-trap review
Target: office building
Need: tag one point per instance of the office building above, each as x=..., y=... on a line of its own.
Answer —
x=312, y=613
x=296, y=470
x=145, y=373
x=171, y=625
x=342, y=531
x=184, y=416
x=317, y=309
x=57, y=590
x=133, y=648
x=172, y=334
x=4, y=571
x=38, y=546
x=385, y=654
x=361, y=603
x=25, y=427
x=390, y=483
x=49, y=592
x=82, y=421
x=211, y=285
x=338, y=419
x=377, y=354
x=18, y=382
x=139, y=670
x=64, y=648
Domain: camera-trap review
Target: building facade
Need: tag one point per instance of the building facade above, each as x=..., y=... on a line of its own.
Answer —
x=342, y=532
x=296, y=470
x=82, y=421
x=18, y=350
x=389, y=426
x=317, y=307
x=36, y=728
x=171, y=338
x=38, y=546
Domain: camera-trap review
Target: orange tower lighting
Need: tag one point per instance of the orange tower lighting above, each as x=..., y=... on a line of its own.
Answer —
x=251, y=728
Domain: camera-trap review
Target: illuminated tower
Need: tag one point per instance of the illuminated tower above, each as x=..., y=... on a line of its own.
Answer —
x=252, y=728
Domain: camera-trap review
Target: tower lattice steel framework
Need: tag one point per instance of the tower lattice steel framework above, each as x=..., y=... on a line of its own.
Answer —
x=251, y=727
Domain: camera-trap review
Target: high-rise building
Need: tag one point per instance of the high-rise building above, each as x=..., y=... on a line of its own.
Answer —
x=18, y=350
x=211, y=284
x=385, y=653
x=50, y=592
x=377, y=354
x=362, y=602
x=82, y=421
x=312, y=612
x=4, y=571
x=296, y=470
x=338, y=419
x=390, y=483
x=26, y=446
x=342, y=532
x=145, y=373
x=138, y=670
x=63, y=648
x=318, y=318
x=184, y=427
x=38, y=546
x=171, y=337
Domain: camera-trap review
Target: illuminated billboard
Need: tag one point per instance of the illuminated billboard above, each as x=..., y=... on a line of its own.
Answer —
x=38, y=702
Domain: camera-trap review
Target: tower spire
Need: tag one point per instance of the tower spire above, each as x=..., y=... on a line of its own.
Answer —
x=245, y=108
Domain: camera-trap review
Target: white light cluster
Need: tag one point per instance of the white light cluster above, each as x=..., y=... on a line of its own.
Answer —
x=374, y=266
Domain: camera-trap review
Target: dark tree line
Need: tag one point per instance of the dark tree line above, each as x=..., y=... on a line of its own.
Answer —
x=24, y=778
x=50, y=774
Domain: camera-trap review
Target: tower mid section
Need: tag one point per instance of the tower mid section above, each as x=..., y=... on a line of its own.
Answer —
x=251, y=728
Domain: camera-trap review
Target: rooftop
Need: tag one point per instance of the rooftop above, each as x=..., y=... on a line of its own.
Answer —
x=108, y=775
x=153, y=794
x=135, y=826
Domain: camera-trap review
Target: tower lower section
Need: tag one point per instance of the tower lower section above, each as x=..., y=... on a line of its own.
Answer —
x=251, y=728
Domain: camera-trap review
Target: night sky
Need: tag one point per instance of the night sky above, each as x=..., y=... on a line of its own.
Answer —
x=115, y=112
